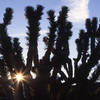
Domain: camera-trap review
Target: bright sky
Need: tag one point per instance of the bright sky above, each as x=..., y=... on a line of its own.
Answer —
x=79, y=11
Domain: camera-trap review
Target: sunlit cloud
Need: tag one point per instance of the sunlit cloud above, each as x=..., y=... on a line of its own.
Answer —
x=79, y=10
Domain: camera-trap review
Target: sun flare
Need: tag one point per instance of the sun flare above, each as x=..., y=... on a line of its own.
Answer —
x=19, y=77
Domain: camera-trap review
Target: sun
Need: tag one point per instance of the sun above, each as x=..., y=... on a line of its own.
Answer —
x=19, y=77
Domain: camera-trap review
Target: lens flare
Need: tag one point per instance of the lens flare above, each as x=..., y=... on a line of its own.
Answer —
x=19, y=77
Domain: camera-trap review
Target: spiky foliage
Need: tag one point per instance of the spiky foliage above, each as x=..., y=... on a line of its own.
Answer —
x=6, y=56
x=3, y=70
x=17, y=49
x=61, y=54
x=33, y=17
x=5, y=40
x=7, y=16
x=51, y=33
x=45, y=62
x=94, y=29
x=50, y=86
x=62, y=47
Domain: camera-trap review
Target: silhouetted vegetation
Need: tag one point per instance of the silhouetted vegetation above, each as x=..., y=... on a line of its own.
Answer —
x=51, y=83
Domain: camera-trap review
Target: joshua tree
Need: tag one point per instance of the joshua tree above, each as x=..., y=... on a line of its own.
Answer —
x=89, y=56
x=46, y=85
x=5, y=40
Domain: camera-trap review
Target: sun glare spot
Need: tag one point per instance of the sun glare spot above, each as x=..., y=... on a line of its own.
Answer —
x=19, y=77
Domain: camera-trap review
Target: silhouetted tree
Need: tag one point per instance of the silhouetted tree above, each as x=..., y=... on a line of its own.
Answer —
x=18, y=55
x=51, y=83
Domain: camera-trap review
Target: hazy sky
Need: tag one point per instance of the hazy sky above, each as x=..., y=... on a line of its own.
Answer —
x=79, y=11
